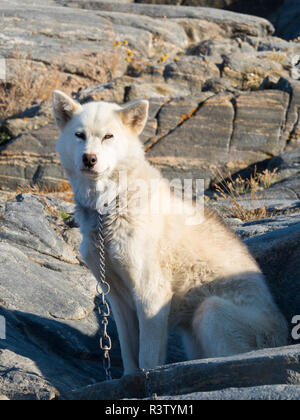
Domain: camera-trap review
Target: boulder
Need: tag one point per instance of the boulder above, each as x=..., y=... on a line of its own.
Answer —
x=190, y=73
x=246, y=70
x=223, y=130
x=66, y=40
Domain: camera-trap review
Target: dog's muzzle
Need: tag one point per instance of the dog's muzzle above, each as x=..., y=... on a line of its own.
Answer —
x=89, y=160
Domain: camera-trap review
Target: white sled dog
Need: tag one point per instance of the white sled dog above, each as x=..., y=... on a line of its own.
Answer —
x=162, y=270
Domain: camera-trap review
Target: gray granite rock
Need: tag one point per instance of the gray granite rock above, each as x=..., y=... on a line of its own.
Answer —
x=185, y=138
x=264, y=367
x=287, y=19
x=287, y=164
x=261, y=8
x=31, y=158
x=280, y=197
x=261, y=227
x=190, y=73
x=47, y=300
x=245, y=23
x=191, y=131
x=69, y=37
x=277, y=252
x=255, y=393
x=291, y=127
x=222, y=130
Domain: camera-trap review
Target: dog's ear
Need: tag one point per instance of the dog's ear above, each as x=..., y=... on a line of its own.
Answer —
x=64, y=108
x=135, y=115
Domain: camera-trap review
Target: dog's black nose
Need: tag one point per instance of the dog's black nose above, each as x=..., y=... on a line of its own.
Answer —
x=89, y=160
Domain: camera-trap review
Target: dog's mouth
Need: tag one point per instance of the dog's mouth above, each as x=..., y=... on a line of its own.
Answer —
x=90, y=172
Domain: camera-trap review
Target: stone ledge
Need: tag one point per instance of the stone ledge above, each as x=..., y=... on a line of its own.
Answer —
x=262, y=367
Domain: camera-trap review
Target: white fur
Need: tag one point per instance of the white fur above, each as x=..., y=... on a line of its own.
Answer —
x=162, y=272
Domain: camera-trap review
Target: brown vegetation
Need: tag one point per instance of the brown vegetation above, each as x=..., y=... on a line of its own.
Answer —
x=26, y=84
x=244, y=208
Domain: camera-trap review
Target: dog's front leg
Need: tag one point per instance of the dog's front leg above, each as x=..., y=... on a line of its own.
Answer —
x=128, y=330
x=153, y=314
x=125, y=317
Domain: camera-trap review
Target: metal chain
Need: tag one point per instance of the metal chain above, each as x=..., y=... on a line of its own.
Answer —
x=148, y=386
x=103, y=290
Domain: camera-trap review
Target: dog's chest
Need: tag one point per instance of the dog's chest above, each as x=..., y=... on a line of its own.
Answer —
x=116, y=230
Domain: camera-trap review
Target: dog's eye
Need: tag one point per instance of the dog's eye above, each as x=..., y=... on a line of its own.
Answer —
x=80, y=135
x=108, y=136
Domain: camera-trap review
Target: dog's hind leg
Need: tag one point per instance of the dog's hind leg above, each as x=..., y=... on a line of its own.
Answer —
x=191, y=345
x=224, y=329
x=220, y=329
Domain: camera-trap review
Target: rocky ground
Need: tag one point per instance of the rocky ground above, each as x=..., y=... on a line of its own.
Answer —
x=52, y=329
x=224, y=96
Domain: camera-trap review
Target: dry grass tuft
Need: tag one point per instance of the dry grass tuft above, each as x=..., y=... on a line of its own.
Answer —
x=27, y=85
x=63, y=191
x=235, y=189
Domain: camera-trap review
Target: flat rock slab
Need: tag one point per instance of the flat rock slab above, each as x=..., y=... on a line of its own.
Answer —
x=263, y=367
x=31, y=159
x=247, y=24
x=65, y=39
x=255, y=393
x=258, y=121
x=256, y=230
x=224, y=130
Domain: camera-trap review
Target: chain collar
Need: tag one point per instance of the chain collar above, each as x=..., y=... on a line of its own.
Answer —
x=103, y=290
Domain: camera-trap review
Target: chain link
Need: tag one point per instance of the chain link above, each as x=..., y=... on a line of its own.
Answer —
x=148, y=383
x=103, y=290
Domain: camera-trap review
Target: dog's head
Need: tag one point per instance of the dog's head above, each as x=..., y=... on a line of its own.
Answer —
x=97, y=136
